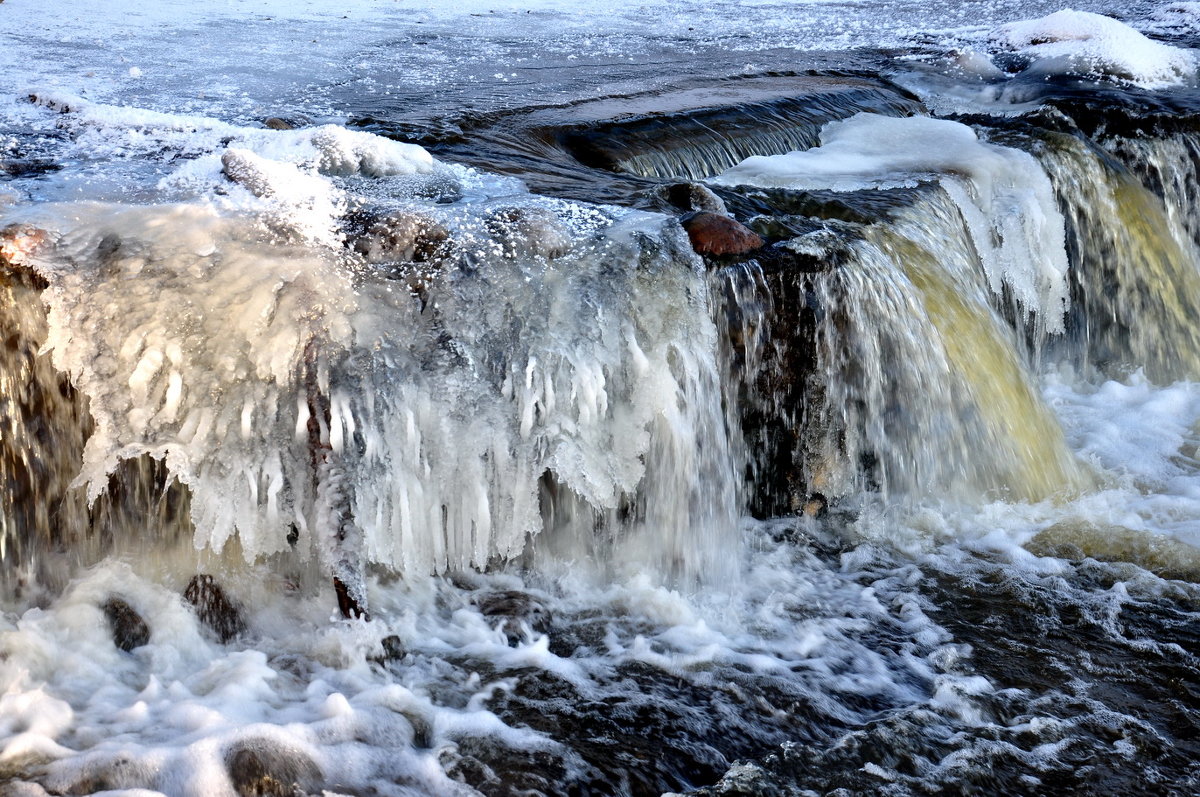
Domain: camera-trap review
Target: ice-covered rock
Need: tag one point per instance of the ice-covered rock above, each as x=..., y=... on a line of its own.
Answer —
x=1086, y=44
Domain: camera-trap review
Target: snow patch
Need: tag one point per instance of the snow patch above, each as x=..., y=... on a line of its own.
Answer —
x=1082, y=43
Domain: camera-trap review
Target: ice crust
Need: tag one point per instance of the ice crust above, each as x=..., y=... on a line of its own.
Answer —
x=1088, y=44
x=202, y=329
x=1005, y=198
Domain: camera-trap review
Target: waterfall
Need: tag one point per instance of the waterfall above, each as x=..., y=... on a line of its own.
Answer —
x=924, y=378
x=202, y=345
x=1136, y=273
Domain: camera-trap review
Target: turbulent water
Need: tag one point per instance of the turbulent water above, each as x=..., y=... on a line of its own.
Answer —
x=377, y=419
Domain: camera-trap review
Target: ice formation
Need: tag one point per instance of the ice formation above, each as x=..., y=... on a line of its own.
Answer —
x=204, y=331
x=1087, y=44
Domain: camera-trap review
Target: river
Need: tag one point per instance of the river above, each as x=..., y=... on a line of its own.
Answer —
x=380, y=416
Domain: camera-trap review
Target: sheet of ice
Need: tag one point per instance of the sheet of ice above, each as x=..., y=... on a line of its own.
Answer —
x=280, y=174
x=1087, y=44
x=1005, y=198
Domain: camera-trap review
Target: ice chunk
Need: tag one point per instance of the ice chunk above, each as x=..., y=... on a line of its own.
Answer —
x=1083, y=43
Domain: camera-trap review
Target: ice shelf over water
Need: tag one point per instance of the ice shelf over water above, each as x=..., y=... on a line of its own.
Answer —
x=211, y=322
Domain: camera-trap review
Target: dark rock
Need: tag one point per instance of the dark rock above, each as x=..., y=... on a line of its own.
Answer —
x=350, y=607
x=520, y=612
x=714, y=234
x=213, y=607
x=811, y=253
x=393, y=649
x=129, y=629
x=397, y=237
x=56, y=105
x=27, y=167
x=263, y=768
x=687, y=197
x=277, y=123
x=529, y=232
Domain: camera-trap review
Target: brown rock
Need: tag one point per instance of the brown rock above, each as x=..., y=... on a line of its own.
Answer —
x=714, y=234
x=128, y=628
x=263, y=768
x=276, y=123
x=213, y=607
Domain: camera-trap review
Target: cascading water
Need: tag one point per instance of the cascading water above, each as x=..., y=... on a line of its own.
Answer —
x=891, y=490
x=1137, y=282
x=508, y=367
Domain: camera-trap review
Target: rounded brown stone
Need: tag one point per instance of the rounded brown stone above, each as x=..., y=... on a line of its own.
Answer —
x=714, y=234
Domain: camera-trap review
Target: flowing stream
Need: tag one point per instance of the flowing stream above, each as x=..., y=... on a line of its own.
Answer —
x=378, y=418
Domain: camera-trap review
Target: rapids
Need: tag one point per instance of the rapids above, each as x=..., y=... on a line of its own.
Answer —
x=370, y=424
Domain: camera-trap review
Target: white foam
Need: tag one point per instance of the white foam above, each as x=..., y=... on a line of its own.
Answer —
x=1087, y=44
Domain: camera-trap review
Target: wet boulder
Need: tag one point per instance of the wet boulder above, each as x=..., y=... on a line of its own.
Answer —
x=686, y=197
x=265, y=768
x=720, y=236
x=528, y=232
x=391, y=649
x=519, y=614
x=285, y=122
x=27, y=167
x=439, y=186
x=129, y=630
x=213, y=607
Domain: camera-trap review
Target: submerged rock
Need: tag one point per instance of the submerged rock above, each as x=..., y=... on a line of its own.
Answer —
x=714, y=234
x=27, y=167
x=392, y=648
x=520, y=613
x=397, y=237
x=440, y=186
x=529, y=232
x=129, y=629
x=263, y=768
x=213, y=607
